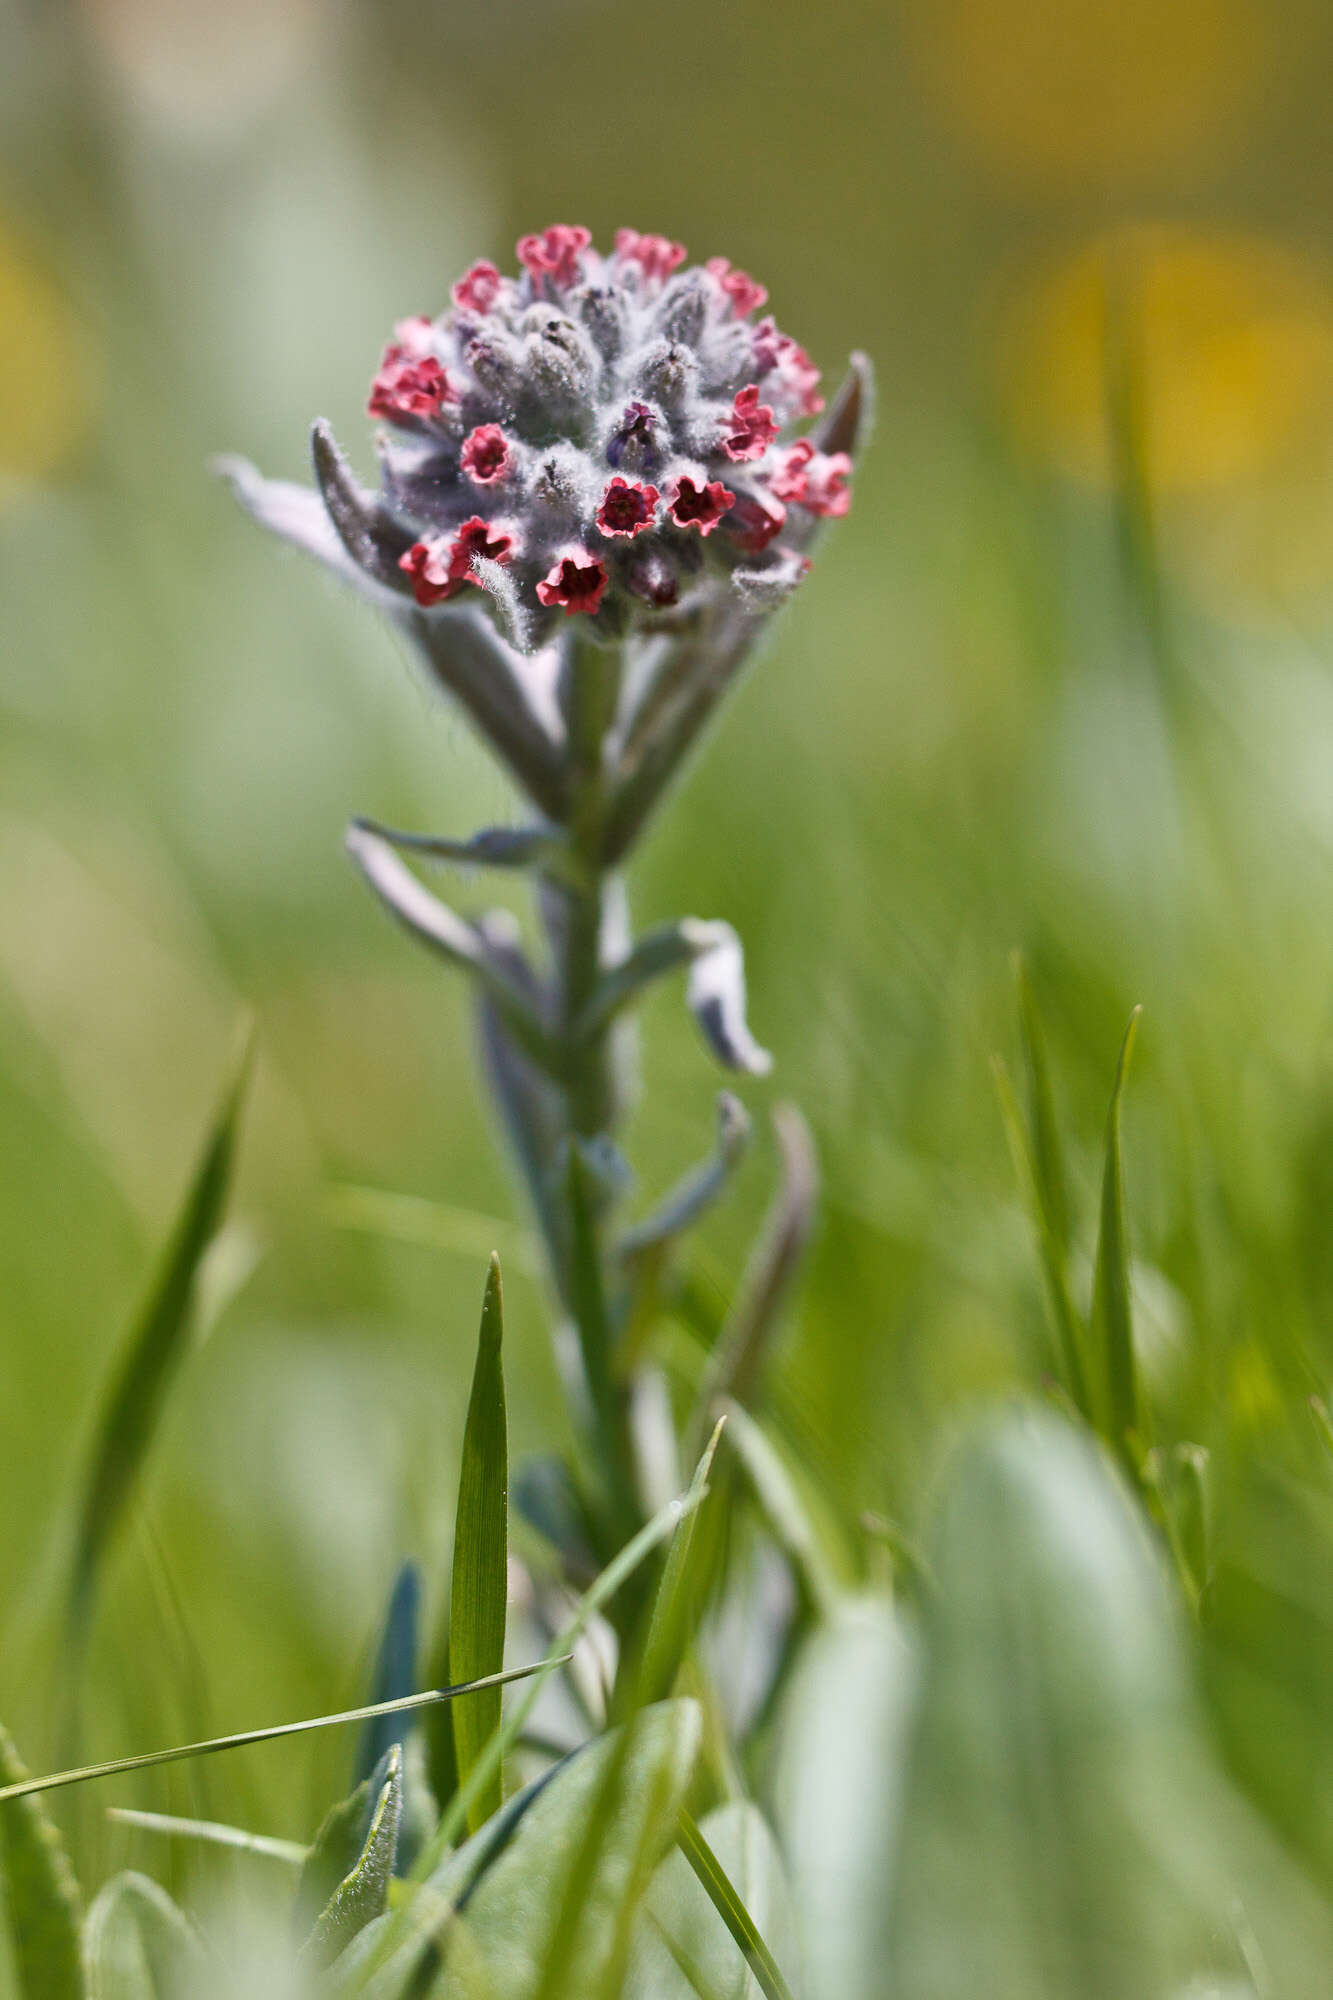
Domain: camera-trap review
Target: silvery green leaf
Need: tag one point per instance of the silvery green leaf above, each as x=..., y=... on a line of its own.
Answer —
x=492, y=847
x=715, y=993
x=373, y=543
x=700, y=1188
x=395, y=1671
x=491, y=959
x=297, y=514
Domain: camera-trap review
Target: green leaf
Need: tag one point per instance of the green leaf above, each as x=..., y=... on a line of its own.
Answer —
x=677, y=1606
x=756, y=1854
x=139, y=1946
x=1064, y=1808
x=1111, y=1311
x=840, y=1779
x=153, y=1352
x=783, y=1508
x=363, y=1892
x=212, y=1833
x=395, y=1670
x=40, y=1893
x=603, y=1840
x=479, y=1589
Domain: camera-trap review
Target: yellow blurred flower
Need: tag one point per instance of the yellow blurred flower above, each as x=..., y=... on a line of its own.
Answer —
x=47, y=389
x=1232, y=341
x=1103, y=91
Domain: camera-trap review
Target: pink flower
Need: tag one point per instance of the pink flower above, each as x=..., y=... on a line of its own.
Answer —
x=408, y=387
x=788, y=481
x=657, y=256
x=826, y=484
x=745, y=294
x=693, y=506
x=555, y=253
x=798, y=377
x=440, y=569
x=478, y=288
x=486, y=456
x=412, y=337
x=752, y=426
x=752, y=524
x=628, y=507
x=576, y=584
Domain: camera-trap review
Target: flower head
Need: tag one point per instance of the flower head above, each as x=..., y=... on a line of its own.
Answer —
x=628, y=407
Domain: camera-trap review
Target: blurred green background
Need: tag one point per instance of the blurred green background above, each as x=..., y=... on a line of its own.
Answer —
x=985, y=724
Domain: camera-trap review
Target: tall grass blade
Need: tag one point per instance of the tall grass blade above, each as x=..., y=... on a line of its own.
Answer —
x=40, y=1890
x=717, y=1886
x=153, y=1352
x=211, y=1833
x=479, y=1589
x=115, y=1765
x=677, y=1606
x=1112, y=1316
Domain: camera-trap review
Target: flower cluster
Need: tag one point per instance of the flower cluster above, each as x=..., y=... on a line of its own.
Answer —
x=599, y=434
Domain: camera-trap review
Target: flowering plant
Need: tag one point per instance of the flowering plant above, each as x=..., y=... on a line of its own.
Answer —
x=591, y=502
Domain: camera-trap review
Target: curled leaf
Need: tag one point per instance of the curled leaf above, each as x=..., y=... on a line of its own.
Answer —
x=373, y=543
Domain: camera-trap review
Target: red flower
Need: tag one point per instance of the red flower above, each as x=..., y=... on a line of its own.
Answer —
x=486, y=456
x=752, y=524
x=408, y=386
x=752, y=426
x=627, y=508
x=478, y=288
x=657, y=256
x=788, y=481
x=576, y=583
x=745, y=294
x=440, y=569
x=555, y=253
x=693, y=506
x=797, y=374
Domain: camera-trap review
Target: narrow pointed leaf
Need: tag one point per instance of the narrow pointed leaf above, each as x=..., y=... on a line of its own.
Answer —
x=212, y=1833
x=782, y=1507
x=39, y=1893
x=479, y=1589
x=1112, y=1313
x=395, y=1671
x=373, y=544
x=693, y=1196
x=153, y=1353
x=492, y=847
x=678, y=1604
x=139, y=1945
x=363, y=1894
x=720, y=1891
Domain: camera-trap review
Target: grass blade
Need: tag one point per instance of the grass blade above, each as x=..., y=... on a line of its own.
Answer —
x=479, y=1589
x=676, y=1607
x=115, y=1765
x=154, y=1351
x=211, y=1833
x=1111, y=1310
x=42, y=1895
x=717, y=1886
x=139, y=1946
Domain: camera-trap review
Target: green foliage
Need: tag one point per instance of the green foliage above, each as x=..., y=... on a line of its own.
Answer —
x=139, y=1946
x=479, y=1590
x=41, y=1896
x=357, y=1854
x=153, y=1351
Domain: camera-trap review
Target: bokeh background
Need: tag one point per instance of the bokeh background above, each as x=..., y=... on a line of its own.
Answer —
x=1035, y=694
